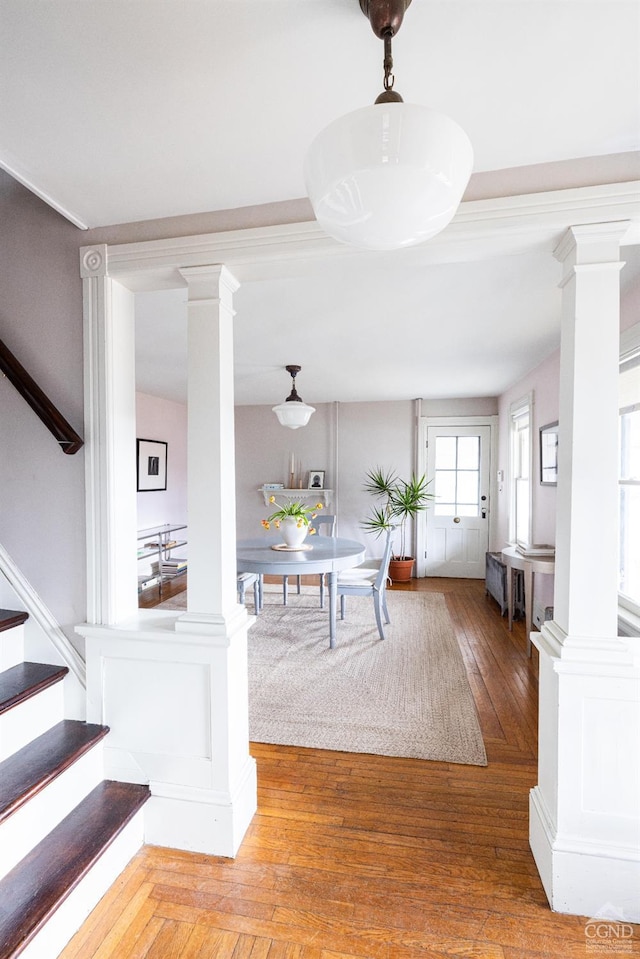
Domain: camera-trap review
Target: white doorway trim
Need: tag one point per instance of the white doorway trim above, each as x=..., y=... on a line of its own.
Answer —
x=424, y=424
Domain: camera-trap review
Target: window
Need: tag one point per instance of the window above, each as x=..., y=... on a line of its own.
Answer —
x=629, y=484
x=521, y=457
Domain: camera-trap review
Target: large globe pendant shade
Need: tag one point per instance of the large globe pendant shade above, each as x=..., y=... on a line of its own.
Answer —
x=293, y=415
x=388, y=175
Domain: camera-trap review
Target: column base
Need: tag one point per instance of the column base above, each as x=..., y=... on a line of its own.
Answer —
x=581, y=878
x=200, y=820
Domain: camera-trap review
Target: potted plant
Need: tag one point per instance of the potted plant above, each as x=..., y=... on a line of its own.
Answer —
x=293, y=520
x=400, y=500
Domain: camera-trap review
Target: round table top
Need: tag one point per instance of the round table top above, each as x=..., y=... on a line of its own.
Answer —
x=329, y=554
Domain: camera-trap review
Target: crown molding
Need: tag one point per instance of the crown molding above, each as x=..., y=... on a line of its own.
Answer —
x=480, y=229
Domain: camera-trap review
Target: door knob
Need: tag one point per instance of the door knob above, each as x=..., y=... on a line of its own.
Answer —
x=456, y=519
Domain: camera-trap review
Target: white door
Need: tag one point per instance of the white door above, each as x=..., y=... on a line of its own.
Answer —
x=458, y=460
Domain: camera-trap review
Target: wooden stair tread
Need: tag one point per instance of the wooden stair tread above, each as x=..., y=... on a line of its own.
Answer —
x=34, y=889
x=39, y=762
x=25, y=680
x=12, y=617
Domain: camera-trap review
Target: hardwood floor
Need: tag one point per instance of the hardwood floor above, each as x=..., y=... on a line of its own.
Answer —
x=367, y=856
x=151, y=597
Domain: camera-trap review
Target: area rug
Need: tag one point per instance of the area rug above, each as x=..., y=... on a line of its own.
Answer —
x=405, y=696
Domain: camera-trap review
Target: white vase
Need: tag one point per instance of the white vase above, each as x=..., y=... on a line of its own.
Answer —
x=292, y=534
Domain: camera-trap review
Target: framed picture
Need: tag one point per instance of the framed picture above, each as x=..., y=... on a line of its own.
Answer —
x=316, y=479
x=549, y=454
x=151, y=465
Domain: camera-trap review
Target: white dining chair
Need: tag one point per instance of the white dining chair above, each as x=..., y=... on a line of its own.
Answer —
x=368, y=581
x=250, y=579
x=324, y=525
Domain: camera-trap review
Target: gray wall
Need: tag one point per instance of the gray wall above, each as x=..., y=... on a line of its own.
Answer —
x=345, y=440
x=41, y=488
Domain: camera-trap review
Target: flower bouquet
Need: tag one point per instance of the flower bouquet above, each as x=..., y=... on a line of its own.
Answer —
x=293, y=520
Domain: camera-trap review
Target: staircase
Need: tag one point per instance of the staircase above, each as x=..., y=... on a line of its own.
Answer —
x=65, y=833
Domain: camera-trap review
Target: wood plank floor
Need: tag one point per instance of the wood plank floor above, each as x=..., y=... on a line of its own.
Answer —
x=366, y=856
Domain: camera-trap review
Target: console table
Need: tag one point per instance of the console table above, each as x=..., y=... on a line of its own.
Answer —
x=530, y=565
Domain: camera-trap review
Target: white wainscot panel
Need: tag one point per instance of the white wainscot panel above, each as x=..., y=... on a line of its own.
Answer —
x=601, y=791
x=176, y=696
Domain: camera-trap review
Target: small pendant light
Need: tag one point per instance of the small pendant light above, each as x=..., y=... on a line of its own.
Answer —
x=294, y=412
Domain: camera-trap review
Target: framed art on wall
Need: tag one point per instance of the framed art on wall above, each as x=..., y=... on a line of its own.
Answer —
x=151, y=462
x=316, y=479
x=549, y=454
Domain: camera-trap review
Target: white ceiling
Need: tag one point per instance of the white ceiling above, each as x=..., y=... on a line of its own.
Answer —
x=422, y=328
x=123, y=110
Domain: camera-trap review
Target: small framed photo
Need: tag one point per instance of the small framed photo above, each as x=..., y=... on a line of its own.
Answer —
x=151, y=465
x=316, y=479
x=549, y=454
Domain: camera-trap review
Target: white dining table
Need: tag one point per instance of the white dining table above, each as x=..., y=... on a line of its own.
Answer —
x=322, y=554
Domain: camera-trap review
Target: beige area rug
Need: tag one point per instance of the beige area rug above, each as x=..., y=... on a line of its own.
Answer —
x=405, y=696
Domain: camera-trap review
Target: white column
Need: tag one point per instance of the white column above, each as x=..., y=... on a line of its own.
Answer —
x=585, y=810
x=174, y=689
x=212, y=596
x=109, y=395
x=587, y=500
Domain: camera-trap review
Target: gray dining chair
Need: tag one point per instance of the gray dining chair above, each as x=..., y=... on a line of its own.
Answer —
x=368, y=581
x=250, y=579
x=324, y=524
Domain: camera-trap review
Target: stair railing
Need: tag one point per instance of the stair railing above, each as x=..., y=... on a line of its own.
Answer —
x=39, y=402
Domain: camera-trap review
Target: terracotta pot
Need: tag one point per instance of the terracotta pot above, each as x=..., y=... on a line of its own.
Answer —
x=400, y=570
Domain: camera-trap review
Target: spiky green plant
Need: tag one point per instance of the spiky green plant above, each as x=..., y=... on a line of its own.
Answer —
x=402, y=499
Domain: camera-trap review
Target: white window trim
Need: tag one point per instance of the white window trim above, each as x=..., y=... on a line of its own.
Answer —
x=628, y=611
x=520, y=407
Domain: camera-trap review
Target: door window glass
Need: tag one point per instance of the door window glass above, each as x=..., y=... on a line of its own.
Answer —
x=457, y=476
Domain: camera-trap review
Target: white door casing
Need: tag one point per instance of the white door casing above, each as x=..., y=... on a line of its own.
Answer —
x=458, y=462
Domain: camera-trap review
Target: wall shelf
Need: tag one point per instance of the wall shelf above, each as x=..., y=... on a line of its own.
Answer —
x=317, y=495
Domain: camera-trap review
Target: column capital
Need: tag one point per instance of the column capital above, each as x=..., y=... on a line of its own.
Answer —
x=94, y=261
x=209, y=282
x=591, y=243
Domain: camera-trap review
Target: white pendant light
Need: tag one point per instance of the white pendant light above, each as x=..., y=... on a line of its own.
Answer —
x=392, y=174
x=294, y=412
